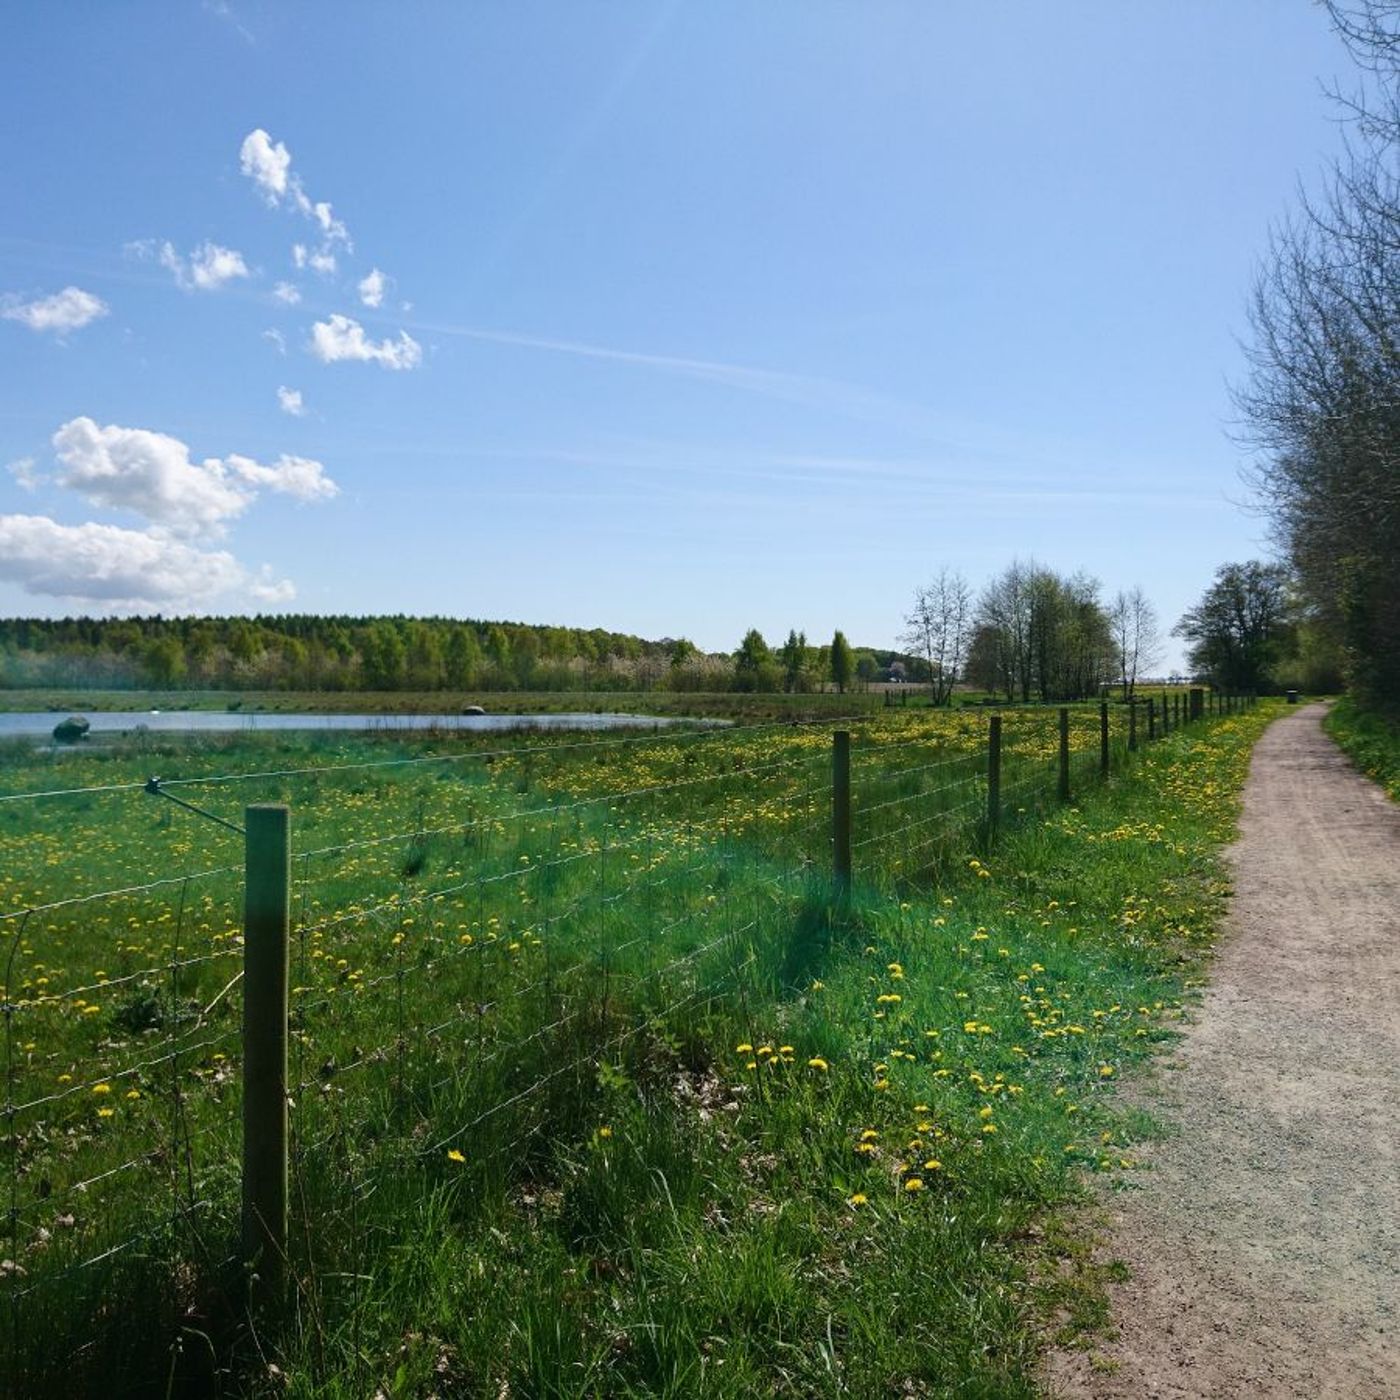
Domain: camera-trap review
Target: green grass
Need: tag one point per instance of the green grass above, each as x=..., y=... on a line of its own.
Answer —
x=655, y=1196
x=1371, y=740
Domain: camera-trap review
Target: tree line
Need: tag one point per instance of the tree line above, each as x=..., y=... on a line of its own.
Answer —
x=1321, y=404
x=339, y=653
x=1030, y=634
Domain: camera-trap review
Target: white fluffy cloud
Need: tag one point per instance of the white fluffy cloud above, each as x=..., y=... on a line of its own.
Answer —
x=153, y=475
x=276, y=339
x=68, y=310
x=289, y=400
x=287, y=294
x=371, y=288
x=342, y=338
x=207, y=268
x=118, y=568
x=150, y=474
x=267, y=164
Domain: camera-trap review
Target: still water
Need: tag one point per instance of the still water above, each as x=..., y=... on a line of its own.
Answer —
x=39, y=724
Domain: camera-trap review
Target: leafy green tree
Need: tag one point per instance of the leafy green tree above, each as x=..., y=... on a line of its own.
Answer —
x=1241, y=628
x=793, y=658
x=462, y=658
x=753, y=664
x=842, y=661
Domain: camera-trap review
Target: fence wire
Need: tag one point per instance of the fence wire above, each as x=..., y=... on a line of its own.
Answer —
x=457, y=978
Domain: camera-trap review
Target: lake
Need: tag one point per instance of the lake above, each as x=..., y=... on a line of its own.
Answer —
x=39, y=724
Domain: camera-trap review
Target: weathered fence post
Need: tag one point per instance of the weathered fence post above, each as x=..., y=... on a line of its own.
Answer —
x=1103, y=738
x=993, y=776
x=1132, y=726
x=1151, y=719
x=1197, y=708
x=266, y=918
x=1064, y=754
x=841, y=811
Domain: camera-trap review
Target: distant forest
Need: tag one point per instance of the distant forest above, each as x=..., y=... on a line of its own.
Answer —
x=392, y=653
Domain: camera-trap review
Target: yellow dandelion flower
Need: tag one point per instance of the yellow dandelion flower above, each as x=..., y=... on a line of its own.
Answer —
x=859, y=1199
x=105, y=1112
x=816, y=1062
x=101, y=1088
x=453, y=1155
x=932, y=1165
x=914, y=1183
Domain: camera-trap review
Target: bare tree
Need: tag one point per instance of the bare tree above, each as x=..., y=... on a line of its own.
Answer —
x=1137, y=640
x=1321, y=402
x=938, y=629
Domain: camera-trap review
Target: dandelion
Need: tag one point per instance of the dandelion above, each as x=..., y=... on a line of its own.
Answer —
x=932, y=1165
x=605, y=1131
x=816, y=1062
x=101, y=1088
x=453, y=1155
x=744, y=1049
x=914, y=1183
x=859, y=1199
x=105, y=1112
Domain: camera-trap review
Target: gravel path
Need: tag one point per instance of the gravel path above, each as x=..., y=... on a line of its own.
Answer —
x=1264, y=1244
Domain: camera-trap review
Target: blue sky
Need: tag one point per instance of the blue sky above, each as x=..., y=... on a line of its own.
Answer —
x=690, y=317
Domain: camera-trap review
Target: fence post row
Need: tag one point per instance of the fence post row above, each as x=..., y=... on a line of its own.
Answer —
x=1064, y=754
x=993, y=776
x=841, y=811
x=266, y=921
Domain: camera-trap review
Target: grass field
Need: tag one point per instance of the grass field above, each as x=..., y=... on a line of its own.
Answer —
x=1370, y=740
x=597, y=1088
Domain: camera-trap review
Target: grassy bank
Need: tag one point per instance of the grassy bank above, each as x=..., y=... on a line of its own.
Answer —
x=649, y=1119
x=1370, y=740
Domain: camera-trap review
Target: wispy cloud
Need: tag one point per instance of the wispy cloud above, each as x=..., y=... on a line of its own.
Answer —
x=207, y=268
x=806, y=390
x=289, y=401
x=268, y=164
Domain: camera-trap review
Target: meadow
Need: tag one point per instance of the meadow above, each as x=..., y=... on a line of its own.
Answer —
x=599, y=1086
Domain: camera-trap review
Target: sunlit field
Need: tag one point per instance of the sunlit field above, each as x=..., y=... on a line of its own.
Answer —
x=599, y=1085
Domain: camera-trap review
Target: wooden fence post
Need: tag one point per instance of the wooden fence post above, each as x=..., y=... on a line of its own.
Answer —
x=1064, y=754
x=1151, y=719
x=841, y=811
x=1132, y=726
x=1103, y=738
x=993, y=776
x=266, y=920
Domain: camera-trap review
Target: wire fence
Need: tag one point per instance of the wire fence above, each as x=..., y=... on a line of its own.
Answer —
x=473, y=938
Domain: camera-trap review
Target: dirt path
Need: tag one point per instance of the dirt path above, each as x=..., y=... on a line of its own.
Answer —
x=1265, y=1243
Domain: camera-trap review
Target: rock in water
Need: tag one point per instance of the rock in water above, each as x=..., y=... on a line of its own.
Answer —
x=70, y=730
